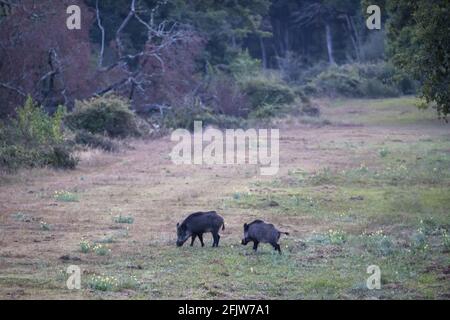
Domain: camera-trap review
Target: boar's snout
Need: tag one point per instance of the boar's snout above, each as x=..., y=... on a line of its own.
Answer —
x=244, y=242
x=179, y=243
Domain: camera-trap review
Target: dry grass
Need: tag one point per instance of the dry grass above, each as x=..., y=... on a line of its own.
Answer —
x=143, y=184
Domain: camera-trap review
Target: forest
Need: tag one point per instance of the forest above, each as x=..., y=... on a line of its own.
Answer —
x=91, y=90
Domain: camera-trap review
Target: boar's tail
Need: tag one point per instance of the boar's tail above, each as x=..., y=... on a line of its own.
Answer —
x=286, y=233
x=223, y=226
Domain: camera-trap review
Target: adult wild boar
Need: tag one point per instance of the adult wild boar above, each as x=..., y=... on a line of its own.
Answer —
x=260, y=232
x=197, y=224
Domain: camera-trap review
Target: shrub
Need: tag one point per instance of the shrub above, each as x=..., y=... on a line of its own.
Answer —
x=338, y=81
x=243, y=65
x=374, y=88
x=266, y=111
x=35, y=139
x=97, y=141
x=109, y=114
x=226, y=97
x=375, y=80
x=261, y=91
x=192, y=110
x=36, y=127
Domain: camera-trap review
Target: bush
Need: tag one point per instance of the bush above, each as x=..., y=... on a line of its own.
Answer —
x=226, y=97
x=338, y=81
x=243, y=65
x=184, y=116
x=35, y=139
x=97, y=141
x=373, y=88
x=376, y=80
x=261, y=91
x=110, y=115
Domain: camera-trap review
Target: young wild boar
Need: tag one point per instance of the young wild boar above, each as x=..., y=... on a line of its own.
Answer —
x=259, y=231
x=197, y=224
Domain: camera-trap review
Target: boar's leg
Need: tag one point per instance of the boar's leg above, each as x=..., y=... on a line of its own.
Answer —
x=193, y=239
x=216, y=238
x=200, y=237
x=277, y=247
x=255, y=245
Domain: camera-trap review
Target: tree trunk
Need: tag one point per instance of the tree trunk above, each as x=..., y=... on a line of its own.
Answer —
x=263, y=53
x=329, y=44
x=353, y=38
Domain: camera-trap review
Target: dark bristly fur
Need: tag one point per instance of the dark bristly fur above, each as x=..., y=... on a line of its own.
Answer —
x=260, y=232
x=197, y=224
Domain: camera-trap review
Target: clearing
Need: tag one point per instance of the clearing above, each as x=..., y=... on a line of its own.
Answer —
x=371, y=188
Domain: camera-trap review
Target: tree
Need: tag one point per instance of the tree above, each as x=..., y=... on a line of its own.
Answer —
x=139, y=56
x=38, y=59
x=419, y=43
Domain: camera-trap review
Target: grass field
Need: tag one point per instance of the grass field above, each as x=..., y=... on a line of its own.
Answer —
x=371, y=188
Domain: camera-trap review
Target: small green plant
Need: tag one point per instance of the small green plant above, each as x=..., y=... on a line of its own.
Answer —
x=103, y=283
x=44, y=226
x=65, y=196
x=129, y=282
x=428, y=226
x=383, y=152
x=101, y=250
x=420, y=241
x=85, y=246
x=378, y=243
x=22, y=217
x=336, y=236
x=446, y=240
x=124, y=219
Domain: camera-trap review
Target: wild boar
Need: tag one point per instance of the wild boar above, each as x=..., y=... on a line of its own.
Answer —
x=260, y=232
x=197, y=224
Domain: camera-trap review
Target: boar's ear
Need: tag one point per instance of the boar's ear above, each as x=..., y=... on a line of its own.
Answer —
x=178, y=225
x=245, y=226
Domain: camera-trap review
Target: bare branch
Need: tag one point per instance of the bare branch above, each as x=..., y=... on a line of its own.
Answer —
x=102, y=29
x=123, y=25
x=10, y=87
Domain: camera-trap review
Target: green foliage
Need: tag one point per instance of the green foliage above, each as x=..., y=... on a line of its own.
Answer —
x=103, y=283
x=36, y=127
x=243, y=65
x=419, y=44
x=44, y=226
x=262, y=91
x=361, y=80
x=446, y=240
x=124, y=219
x=192, y=110
x=85, y=246
x=65, y=196
x=336, y=236
x=377, y=243
x=97, y=141
x=226, y=24
x=109, y=114
x=35, y=139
